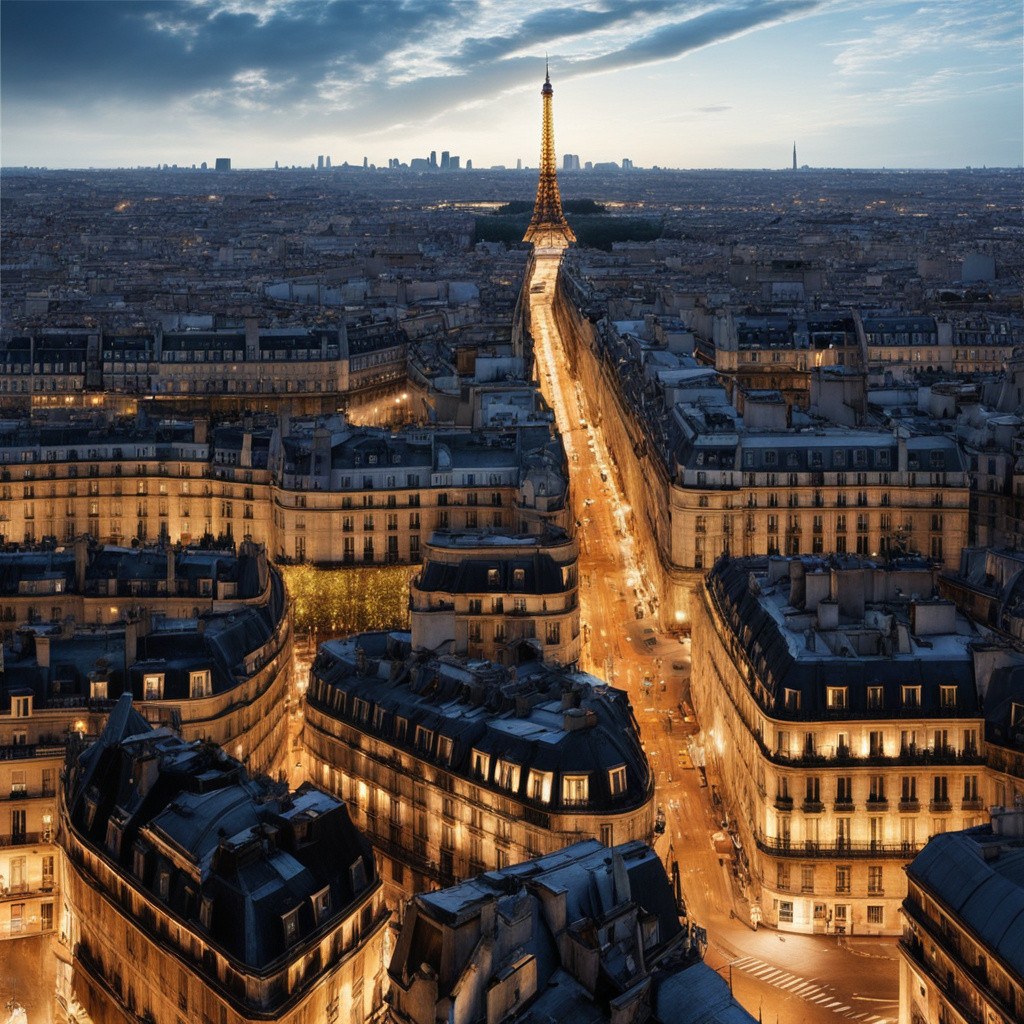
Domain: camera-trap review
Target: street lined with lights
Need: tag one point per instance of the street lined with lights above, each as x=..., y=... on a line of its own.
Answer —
x=794, y=977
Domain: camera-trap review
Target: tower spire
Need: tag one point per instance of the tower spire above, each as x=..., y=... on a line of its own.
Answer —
x=548, y=227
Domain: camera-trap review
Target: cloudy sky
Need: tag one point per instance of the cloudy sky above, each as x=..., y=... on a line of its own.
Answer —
x=679, y=83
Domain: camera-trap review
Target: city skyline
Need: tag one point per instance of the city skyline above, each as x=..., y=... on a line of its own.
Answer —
x=857, y=84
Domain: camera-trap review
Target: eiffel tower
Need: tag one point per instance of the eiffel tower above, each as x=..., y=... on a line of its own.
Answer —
x=548, y=228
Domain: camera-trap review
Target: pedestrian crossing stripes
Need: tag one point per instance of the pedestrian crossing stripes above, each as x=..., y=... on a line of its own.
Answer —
x=804, y=989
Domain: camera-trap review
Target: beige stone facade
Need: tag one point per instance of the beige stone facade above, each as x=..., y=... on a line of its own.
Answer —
x=838, y=757
x=437, y=799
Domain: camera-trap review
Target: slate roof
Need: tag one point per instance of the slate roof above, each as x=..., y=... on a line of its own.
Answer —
x=478, y=705
x=985, y=893
x=784, y=661
x=252, y=849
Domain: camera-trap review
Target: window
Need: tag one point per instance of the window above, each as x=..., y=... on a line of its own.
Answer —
x=538, y=786
x=290, y=925
x=807, y=878
x=875, y=699
x=876, y=744
x=321, y=904
x=424, y=739
x=875, y=914
x=153, y=686
x=947, y=696
x=908, y=788
x=781, y=875
x=481, y=764
x=575, y=790
x=444, y=748
x=875, y=879
x=785, y=912
x=21, y=706
x=876, y=791
x=199, y=683
x=163, y=883
x=843, y=832
x=843, y=875
x=844, y=789
x=506, y=775
x=911, y=696
x=836, y=697
x=617, y=780
x=792, y=700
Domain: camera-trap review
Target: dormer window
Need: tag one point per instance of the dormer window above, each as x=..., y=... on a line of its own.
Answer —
x=492, y=577
x=617, y=780
x=911, y=696
x=206, y=912
x=98, y=689
x=153, y=686
x=538, y=786
x=947, y=696
x=575, y=790
x=322, y=904
x=290, y=925
x=163, y=883
x=519, y=578
x=506, y=775
x=138, y=861
x=444, y=749
x=199, y=683
x=401, y=726
x=114, y=838
x=835, y=697
x=21, y=707
x=481, y=764
x=424, y=739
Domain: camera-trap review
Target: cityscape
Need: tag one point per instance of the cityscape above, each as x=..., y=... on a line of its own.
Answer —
x=567, y=589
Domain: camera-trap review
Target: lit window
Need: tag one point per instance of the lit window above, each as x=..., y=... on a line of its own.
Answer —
x=424, y=739
x=836, y=697
x=575, y=789
x=153, y=686
x=947, y=696
x=506, y=775
x=875, y=698
x=163, y=883
x=481, y=764
x=444, y=748
x=199, y=683
x=538, y=786
x=617, y=780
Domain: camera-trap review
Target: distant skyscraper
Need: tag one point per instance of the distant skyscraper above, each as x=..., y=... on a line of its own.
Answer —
x=548, y=227
x=327, y=163
x=519, y=164
x=433, y=158
x=320, y=162
x=223, y=163
x=453, y=163
x=444, y=159
x=794, y=156
x=469, y=165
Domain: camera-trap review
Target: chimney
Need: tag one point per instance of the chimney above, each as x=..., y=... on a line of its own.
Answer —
x=170, y=572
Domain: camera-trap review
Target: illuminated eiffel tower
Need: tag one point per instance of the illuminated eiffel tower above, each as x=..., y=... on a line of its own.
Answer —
x=548, y=228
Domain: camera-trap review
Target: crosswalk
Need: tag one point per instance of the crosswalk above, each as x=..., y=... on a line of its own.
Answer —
x=804, y=989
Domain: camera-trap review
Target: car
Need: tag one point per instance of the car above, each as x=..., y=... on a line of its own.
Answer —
x=679, y=666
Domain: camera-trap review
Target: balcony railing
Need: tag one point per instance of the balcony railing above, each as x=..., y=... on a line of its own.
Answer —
x=25, y=838
x=940, y=805
x=841, y=848
x=909, y=806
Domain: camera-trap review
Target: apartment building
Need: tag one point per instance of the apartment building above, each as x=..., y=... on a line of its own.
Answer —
x=454, y=767
x=309, y=490
x=193, y=889
x=588, y=933
x=764, y=490
x=961, y=955
x=303, y=370
x=498, y=596
x=222, y=677
x=841, y=703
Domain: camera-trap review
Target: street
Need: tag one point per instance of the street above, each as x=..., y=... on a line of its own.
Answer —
x=778, y=977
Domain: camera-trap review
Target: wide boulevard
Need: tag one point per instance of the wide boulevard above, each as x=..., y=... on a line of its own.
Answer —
x=780, y=977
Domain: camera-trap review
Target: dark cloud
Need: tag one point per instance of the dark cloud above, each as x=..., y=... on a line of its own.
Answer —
x=285, y=69
x=558, y=24
x=108, y=50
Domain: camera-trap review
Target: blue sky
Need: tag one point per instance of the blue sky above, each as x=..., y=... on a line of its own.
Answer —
x=719, y=83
